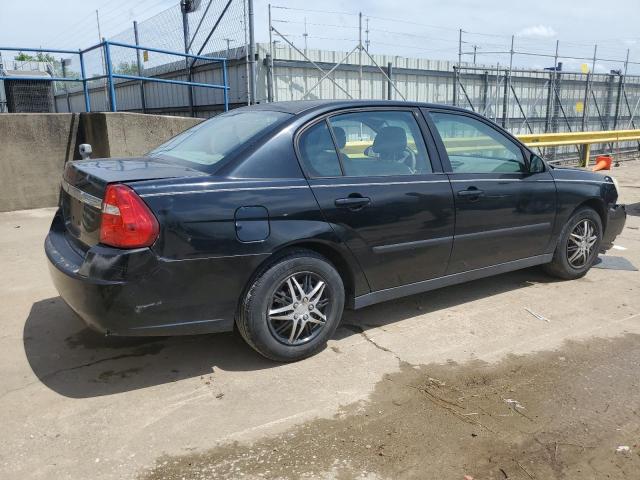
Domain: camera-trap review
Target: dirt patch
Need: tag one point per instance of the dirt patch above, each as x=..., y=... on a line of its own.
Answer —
x=552, y=415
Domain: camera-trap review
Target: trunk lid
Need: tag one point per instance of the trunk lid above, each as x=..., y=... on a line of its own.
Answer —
x=84, y=183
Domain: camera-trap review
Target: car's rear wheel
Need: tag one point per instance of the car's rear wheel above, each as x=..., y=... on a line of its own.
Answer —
x=578, y=246
x=292, y=307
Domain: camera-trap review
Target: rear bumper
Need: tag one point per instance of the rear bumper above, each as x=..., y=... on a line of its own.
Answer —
x=135, y=293
x=617, y=216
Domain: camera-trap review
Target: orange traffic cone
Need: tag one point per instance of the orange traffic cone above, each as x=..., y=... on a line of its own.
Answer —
x=603, y=162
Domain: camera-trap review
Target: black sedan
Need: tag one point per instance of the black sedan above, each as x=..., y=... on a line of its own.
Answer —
x=273, y=218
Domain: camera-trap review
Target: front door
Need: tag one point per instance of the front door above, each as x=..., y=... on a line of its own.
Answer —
x=382, y=192
x=503, y=212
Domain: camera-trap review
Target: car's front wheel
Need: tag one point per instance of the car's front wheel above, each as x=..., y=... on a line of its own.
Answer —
x=578, y=246
x=292, y=307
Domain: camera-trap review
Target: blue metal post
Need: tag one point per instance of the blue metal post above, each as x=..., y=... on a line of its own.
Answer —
x=112, y=90
x=85, y=87
x=226, y=87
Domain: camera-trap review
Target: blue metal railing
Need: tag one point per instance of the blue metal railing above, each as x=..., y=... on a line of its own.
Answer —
x=111, y=75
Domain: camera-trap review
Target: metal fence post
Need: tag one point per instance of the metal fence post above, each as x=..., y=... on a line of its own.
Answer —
x=505, y=99
x=85, y=87
x=609, y=101
x=112, y=90
x=226, y=87
x=390, y=81
x=485, y=91
x=455, y=85
x=556, y=100
x=139, y=62
x=616, y=116
x=66, y=90
x=548, y=115
x=268, y=64
x=583, y=124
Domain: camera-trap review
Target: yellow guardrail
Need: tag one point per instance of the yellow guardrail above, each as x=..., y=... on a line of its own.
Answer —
x=579, y=138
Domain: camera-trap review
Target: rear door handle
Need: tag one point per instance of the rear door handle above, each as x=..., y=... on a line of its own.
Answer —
x=471, y=192
x=353, y=203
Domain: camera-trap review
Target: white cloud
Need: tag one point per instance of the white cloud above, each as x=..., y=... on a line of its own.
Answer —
x=541, y=31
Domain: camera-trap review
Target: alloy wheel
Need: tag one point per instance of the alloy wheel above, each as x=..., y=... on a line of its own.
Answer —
x=298, y=309
x=580, y=247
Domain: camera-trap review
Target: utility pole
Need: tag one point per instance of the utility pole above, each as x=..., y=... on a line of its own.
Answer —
x=366, y=42
x=456, y=69
x=185, y=6
x=252, y=53
x=475, y=49
x=305, y=35
x=272, y=52
x=459, y=47
x=143, y=102
x=360, y=55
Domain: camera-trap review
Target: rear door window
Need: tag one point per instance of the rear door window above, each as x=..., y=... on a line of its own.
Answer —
x=380, y=143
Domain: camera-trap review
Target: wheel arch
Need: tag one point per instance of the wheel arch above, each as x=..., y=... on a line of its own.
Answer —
x=333, y=255
x=346, y=265
x=596, y=204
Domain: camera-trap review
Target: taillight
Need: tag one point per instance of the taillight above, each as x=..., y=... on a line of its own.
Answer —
x=126, y=221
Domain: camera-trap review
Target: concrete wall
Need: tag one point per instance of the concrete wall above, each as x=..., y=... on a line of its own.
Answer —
x=33, y=149
x=35, y=146
x=129, y=134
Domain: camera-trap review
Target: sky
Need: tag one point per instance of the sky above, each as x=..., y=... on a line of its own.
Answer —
x=413, y=28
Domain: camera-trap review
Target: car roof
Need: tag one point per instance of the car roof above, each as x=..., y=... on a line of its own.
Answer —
x=296, y=107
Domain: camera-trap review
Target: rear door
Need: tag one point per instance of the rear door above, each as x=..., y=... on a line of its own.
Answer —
x=503, y=211
x=383, y=192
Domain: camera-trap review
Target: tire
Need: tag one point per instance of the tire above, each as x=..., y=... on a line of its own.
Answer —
x=565, y=264
x=265, y=318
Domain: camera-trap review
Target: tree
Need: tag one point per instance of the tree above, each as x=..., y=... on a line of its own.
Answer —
x=126, y=68
x=24, y=57
x=40, y=57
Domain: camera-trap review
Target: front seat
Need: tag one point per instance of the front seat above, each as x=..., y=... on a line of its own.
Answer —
x=390, y=145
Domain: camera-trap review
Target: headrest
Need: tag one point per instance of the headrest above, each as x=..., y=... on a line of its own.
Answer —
x=341, y=137
x=390, y=140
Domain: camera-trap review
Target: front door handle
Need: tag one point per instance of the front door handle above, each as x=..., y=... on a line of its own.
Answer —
x=472, y=193
x=352, y=203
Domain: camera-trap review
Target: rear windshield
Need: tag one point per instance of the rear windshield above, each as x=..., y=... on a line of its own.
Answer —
x=209, y=142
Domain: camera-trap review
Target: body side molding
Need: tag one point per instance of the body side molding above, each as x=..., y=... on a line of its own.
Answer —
x=432, y=284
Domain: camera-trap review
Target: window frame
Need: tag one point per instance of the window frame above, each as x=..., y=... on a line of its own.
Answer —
x=423, y=128
x=444, y=156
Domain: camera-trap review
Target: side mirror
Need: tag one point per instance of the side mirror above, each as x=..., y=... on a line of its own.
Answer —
x=85, y=151
x=536, y=164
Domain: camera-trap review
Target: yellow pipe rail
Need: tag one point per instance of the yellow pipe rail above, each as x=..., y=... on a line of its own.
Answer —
x=579, y=138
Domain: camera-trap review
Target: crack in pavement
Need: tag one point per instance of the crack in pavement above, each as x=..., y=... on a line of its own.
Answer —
x=358, y=329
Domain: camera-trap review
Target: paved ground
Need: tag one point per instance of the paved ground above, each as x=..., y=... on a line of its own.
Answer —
x=460, y=381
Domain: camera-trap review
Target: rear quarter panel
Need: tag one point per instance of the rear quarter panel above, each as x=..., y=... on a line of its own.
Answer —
x=199, y=245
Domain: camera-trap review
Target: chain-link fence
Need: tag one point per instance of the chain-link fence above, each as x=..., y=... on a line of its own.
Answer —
x=166, y=81
x=518, y=82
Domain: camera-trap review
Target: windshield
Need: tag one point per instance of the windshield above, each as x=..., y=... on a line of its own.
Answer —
x=211, y=141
